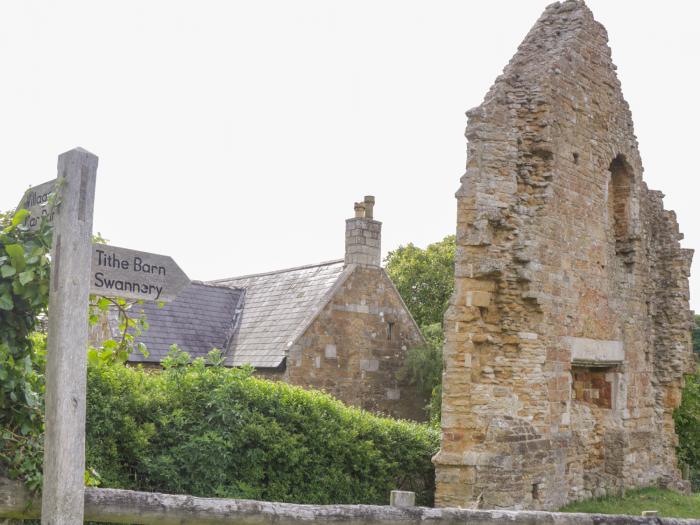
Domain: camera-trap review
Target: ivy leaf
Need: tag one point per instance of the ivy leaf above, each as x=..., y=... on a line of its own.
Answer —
x=142, y=348
x=103, y=304
x=16, y=253
x=123, y=355
x=19, y=217
x=7, y=270
x=6, y=302
x=26, y=277
x=93, y=356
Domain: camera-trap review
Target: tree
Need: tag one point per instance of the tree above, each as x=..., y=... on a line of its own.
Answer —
x=424, y=278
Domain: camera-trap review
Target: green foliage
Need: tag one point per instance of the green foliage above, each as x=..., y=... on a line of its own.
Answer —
x=130, y=327
x=668, y=503
x=687, y=420
x=24, y=294
x=424, y=278
x=210, y=431
x=696, y=335
x=423, y=368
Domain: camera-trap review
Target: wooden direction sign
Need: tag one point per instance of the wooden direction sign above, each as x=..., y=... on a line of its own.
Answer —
x=36, y=202
x=120, y=272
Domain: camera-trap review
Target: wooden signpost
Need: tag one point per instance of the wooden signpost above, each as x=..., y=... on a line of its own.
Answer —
x=62, y=501
x=79, y=268
x=37, y=201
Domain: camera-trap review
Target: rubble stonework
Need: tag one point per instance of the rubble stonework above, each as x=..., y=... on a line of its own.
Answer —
x=568, y=333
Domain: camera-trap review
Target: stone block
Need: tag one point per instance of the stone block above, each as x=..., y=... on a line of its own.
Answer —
x=369, y=365
x=478, y=298
x=402, y=498
x=393, y=394
x=331, y=352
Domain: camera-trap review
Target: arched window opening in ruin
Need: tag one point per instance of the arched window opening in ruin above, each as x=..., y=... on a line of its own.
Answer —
x=620, y=202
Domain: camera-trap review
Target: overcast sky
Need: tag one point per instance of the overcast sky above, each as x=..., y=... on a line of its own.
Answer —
x=235, y=136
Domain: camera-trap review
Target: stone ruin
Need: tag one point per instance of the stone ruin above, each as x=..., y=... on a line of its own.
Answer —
x=568, y=333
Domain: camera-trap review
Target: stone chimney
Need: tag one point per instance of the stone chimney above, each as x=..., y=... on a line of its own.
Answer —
x=363, y=236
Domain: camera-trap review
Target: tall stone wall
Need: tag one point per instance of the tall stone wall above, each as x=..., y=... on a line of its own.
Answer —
x=568, y=333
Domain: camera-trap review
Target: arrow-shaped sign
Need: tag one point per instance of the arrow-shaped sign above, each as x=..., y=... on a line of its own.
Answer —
x=36, y=202
x=120, y=272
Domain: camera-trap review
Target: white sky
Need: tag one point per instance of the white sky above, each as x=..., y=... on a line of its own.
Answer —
x=235, y=136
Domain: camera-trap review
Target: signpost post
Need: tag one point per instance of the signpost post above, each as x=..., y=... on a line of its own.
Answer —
x=62, y=501
x=79, y=268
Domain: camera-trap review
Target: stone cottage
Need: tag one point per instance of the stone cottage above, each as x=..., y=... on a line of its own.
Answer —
x=568, y=333
x=340, y=326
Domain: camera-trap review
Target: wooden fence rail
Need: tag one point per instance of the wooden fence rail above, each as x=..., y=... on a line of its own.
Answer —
x=126, y=506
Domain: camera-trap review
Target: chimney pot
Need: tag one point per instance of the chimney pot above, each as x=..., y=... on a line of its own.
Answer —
x=359, y=210
x=369, y=206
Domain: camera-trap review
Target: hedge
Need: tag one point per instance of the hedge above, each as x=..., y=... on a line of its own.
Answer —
x=687, y=419
x=218, y=432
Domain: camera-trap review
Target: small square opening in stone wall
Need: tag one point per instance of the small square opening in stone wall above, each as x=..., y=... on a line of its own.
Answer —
x=591, y=384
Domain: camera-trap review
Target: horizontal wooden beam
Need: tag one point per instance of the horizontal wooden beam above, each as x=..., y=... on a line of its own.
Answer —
x=146, y=508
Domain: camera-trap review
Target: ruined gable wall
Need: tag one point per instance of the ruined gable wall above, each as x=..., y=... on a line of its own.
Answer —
x=347, y=351
x=559, y=260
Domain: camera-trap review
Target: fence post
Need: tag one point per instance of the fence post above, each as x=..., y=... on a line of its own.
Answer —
x=62, y=501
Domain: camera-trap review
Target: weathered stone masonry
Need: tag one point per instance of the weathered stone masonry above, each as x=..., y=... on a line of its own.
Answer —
x=568, y=333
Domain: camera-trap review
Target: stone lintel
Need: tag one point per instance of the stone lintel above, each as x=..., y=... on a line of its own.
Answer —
x=595, y=352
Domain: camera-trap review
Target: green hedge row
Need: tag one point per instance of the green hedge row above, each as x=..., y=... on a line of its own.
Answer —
x=212, y=431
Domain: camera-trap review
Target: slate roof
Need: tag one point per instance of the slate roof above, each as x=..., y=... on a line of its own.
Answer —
x=279, y=306
x=202, y=317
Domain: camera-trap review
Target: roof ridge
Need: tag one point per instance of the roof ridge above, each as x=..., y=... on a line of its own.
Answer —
x=285, y=270
x=212, y=284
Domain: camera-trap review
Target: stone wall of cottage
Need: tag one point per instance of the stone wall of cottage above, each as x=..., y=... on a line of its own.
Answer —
x=356, y=345
x=568, y=333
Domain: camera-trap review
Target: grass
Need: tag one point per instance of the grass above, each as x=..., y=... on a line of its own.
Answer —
x=666, y=502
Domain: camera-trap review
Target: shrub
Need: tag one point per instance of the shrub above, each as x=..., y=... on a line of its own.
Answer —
x=423, y=368
x=687, y=419
x=211, y=431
